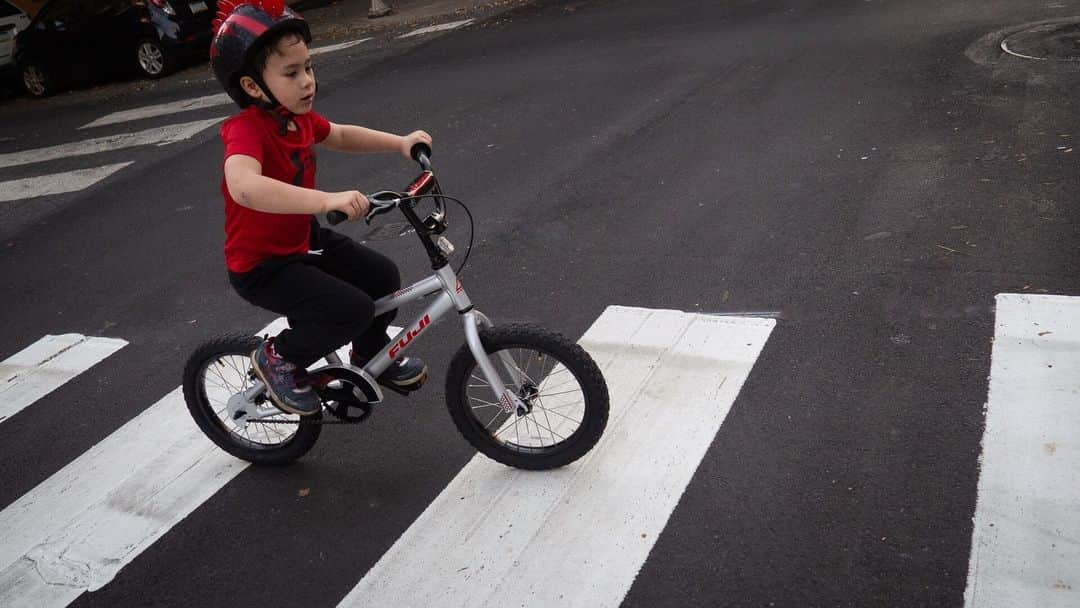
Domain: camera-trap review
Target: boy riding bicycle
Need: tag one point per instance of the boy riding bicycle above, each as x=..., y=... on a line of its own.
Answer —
x=278, y=256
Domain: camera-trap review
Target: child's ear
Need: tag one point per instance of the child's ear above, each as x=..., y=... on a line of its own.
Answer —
x=247, y=83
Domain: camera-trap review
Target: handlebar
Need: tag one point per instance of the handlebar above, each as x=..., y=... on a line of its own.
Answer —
x=385, y=201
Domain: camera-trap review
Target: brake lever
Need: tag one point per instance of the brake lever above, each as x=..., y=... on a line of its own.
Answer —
x=379, y=207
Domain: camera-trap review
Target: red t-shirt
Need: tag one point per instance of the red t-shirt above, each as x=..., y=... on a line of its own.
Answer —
x=254, y=236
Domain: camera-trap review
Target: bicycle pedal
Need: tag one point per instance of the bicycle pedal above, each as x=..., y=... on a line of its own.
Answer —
x=408, y=388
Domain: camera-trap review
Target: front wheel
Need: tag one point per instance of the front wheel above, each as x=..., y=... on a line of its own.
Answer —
x=221, y=369
x=565, y=397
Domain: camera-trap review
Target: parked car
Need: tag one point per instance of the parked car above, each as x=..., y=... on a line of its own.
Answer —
x=73, y=40
x=12, y=21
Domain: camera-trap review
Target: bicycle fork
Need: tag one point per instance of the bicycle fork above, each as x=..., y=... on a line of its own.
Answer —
x=508, y=400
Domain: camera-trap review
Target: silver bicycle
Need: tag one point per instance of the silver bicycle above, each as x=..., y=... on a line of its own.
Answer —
x=522, y=395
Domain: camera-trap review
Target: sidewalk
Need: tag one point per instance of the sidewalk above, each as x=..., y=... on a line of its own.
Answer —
x=348, y=19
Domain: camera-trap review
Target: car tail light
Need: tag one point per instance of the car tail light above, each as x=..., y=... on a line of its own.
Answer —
x=165, y=6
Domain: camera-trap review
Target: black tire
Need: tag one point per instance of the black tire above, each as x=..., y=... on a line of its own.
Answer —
x=37, y=80
x=229, y=357
x=466, y=400
x=153, y=59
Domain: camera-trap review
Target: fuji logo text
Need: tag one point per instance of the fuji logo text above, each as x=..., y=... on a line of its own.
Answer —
x=412, y=333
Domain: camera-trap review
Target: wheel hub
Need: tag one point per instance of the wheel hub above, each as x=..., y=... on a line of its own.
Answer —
x=150, y=58
x=34, y=80
x=527, y=393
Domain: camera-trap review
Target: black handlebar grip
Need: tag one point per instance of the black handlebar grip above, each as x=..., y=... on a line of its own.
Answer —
x=335, y=217
x=418, y=149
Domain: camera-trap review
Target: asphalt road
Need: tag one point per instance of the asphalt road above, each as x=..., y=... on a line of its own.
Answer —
x=872, y=173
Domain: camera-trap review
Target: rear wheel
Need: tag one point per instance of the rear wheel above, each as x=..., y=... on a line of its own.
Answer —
x=216, y=372
x=565, y=397
x=154, y=59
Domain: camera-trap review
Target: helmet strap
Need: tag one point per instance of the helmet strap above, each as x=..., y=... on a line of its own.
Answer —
x=280, y=113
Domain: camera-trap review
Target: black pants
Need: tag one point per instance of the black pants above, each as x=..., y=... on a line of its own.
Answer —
x=328, y=298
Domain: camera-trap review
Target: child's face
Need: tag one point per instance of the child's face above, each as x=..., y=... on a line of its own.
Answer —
x=289, y=75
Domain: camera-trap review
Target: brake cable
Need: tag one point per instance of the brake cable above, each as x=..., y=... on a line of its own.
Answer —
x=472, y=224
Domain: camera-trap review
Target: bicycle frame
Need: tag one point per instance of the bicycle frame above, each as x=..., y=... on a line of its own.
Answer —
x=452, y=298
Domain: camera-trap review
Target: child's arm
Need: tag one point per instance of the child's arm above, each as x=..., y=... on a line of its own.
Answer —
x=352, y=138
x=250, y=188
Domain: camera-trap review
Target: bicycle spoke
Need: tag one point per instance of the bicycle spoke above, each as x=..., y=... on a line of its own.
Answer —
x=228, y=362
x=572, y=380
x=547, y=429
x=218, y=385
x=555, y=408
x=236, y=367
x=552, y=410
x=487, y=427
x=549, y=425
x=224, y=381
x=480, y=407
x=544, y=394
x=528, y=365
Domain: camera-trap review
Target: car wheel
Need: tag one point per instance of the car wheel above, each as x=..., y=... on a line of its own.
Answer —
x=153, y=59
x=37, y=81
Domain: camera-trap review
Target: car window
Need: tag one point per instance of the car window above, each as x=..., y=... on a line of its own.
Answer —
x=108, y=7
x=62, y=11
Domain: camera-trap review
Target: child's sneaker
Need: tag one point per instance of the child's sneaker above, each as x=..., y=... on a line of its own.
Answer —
x=287, y=385
x=404, y=373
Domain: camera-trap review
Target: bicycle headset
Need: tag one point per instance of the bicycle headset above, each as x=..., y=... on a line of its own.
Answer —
x=242, y=29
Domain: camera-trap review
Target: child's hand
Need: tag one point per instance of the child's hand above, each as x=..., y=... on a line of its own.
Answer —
x=351, y=203
x=410, y=140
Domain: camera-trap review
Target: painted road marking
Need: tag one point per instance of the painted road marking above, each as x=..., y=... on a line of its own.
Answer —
x=56, y=183
x=1024, y=549
x=155, y=136
x=162, y=109
x=337, y=47
x=578, y=536
x=77, y=529
x=46, y=365
x=437, y=28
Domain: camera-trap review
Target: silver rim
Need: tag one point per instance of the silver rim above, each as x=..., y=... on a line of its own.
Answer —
x=34, y=79
x=228, y=375
x=151, y=59
x=555, y=395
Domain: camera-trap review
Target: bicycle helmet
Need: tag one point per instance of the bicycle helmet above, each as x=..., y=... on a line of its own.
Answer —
x=241, y=29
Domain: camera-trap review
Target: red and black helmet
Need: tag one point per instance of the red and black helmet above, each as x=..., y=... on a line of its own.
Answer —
x=241, y=29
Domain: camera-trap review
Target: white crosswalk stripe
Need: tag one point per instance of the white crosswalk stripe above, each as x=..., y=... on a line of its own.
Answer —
x=46, y=365
x=162, y=109
x=338, y=47
x=56, y=183
x=1024, y=549
x=442, y=27
x=157, y=136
